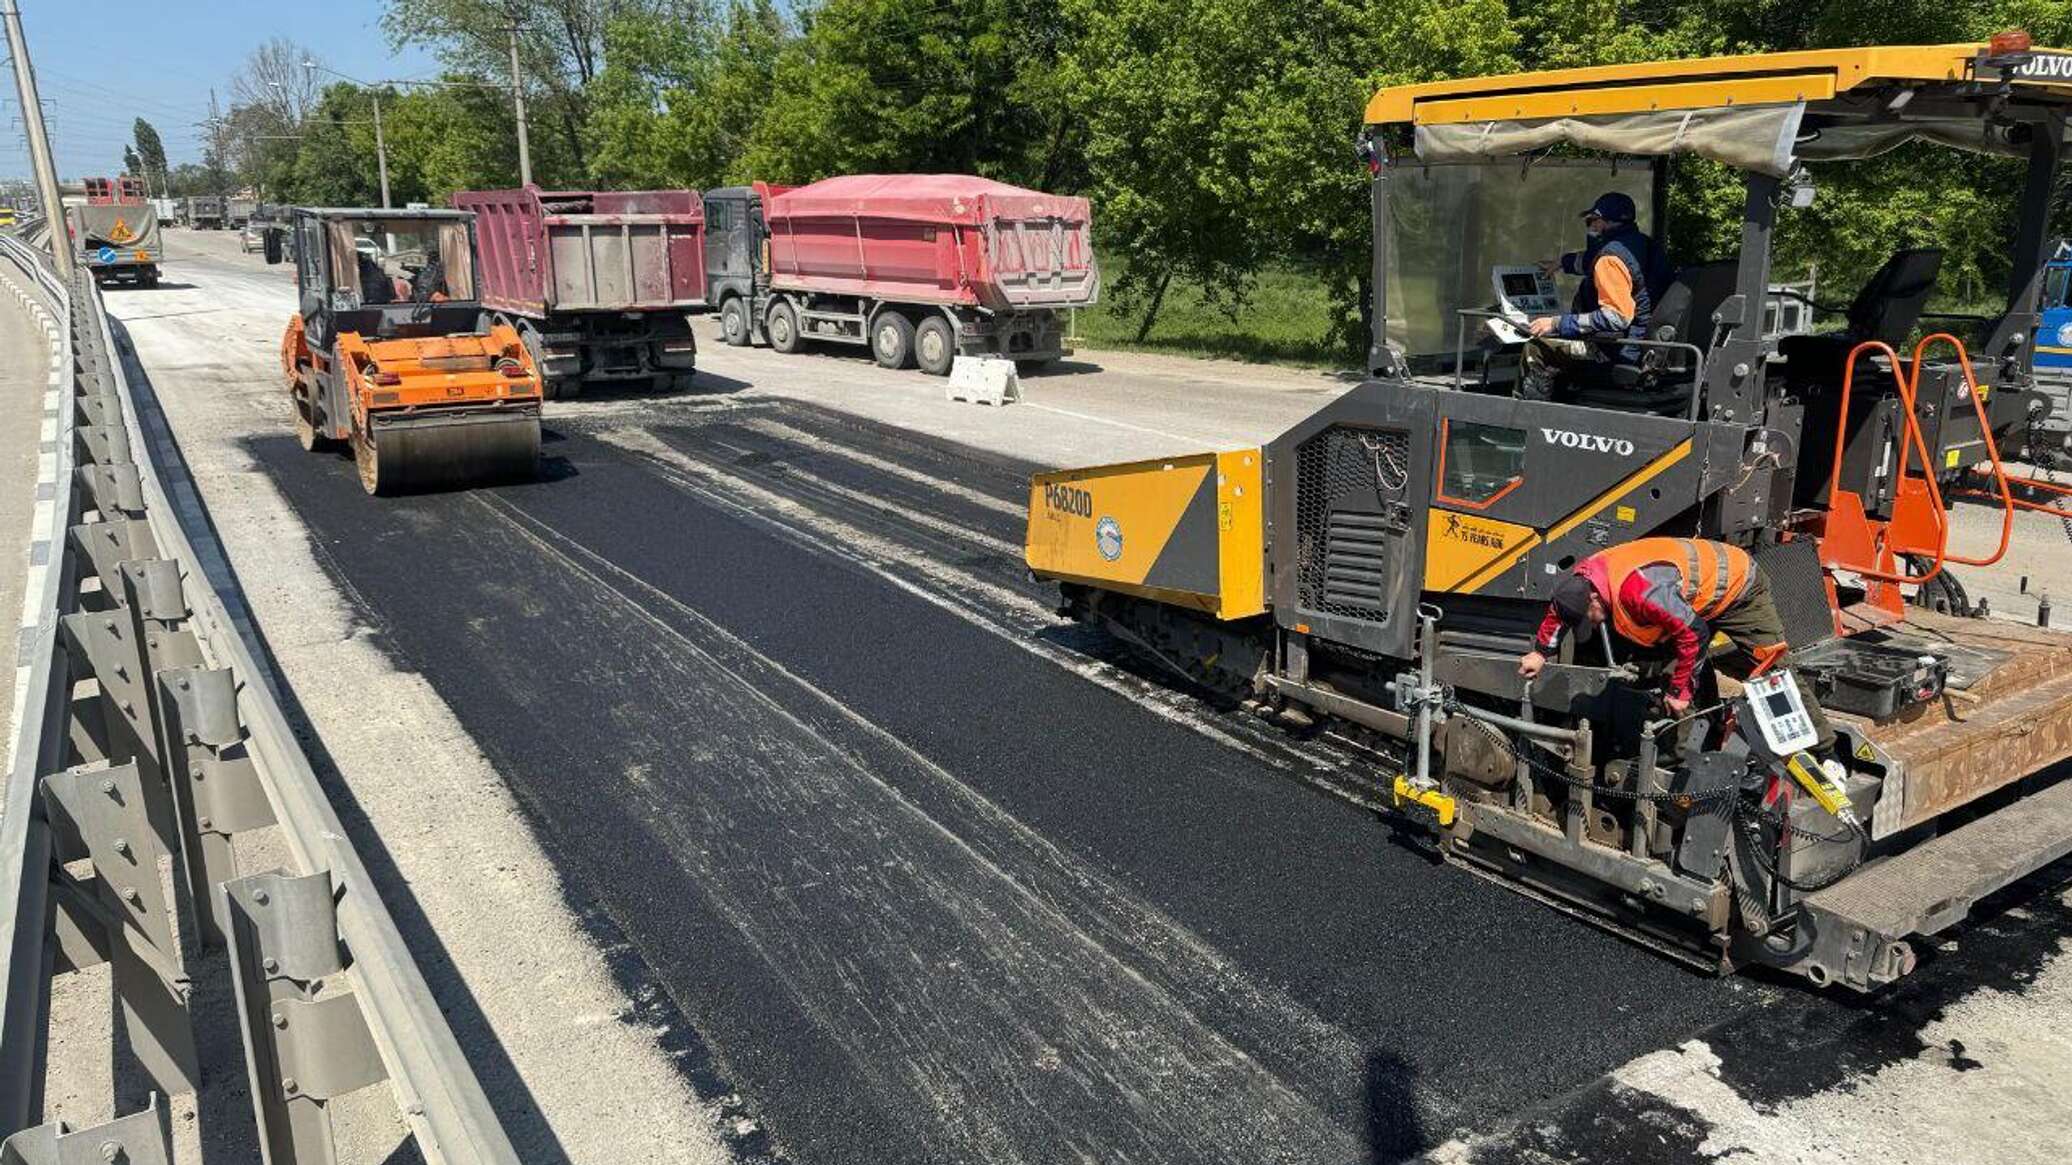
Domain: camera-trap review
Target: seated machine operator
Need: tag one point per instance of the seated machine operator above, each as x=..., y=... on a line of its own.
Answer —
x=1623, y=272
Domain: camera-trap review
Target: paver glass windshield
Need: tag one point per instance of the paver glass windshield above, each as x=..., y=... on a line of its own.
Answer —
x=402, y=260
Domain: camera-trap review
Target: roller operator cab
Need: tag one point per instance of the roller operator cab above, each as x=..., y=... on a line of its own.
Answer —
x=387, y=353
x=1383, y=565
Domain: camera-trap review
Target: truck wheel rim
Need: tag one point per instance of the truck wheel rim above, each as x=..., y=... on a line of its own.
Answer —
x=888, y=341
x=931, y=347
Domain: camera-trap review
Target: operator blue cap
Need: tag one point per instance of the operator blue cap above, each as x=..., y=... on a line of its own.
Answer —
x=1613, y=207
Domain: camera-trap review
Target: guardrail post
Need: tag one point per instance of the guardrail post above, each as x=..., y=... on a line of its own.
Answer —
x=303, y=1046
x=216, y=789
x=107, y=807
x=141, y=1138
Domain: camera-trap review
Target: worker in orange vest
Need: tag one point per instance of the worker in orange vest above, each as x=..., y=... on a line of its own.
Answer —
x=1676, y=593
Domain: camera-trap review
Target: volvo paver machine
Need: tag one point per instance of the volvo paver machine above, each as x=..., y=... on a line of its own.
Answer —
x=1379, y=568
x=389, y=351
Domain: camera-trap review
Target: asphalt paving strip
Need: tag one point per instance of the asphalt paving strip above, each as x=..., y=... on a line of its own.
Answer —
x=1460, y=1001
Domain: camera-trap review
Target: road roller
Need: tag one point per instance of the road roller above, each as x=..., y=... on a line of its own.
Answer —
x=1380, y=571
x=390, y=352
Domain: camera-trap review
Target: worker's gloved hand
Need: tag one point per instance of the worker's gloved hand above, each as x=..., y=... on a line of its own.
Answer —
x=1549, y=267
x=1541, y=325
x=1677, y=705
x=1530, y=663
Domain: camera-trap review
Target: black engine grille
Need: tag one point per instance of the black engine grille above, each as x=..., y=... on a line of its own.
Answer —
x=1349, y=513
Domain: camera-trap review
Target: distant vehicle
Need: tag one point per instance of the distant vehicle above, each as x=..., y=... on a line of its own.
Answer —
x=204, y=212
x=920, y=268
x=253, y=236
x=600, y=284
x=238, y=212
x=2053, y=355
x=7, y=218
x=115, y=233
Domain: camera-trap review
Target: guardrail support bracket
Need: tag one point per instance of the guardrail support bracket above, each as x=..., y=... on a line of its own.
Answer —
x=141, y=1138
x=301, y=1050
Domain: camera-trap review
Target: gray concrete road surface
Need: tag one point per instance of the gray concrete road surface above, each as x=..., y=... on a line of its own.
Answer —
x=762, y=807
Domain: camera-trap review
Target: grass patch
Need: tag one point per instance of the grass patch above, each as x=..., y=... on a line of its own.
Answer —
x=1284, y=323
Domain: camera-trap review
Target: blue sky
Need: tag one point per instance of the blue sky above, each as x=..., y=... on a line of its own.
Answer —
x=103, y=63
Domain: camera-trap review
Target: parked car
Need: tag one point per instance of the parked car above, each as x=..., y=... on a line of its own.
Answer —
x=253, y=236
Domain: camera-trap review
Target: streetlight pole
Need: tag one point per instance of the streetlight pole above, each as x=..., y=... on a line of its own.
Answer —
x=39, y=141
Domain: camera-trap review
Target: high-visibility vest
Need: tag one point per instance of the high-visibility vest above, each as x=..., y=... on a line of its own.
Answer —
x=1714, y=575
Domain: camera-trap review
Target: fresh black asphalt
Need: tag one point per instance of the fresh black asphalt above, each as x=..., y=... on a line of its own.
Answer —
x=928, y=894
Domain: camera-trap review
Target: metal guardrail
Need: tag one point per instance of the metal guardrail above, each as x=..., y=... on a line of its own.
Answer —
x=148, y=730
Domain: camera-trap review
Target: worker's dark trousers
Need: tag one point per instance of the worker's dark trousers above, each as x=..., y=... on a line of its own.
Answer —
x=1757, y=632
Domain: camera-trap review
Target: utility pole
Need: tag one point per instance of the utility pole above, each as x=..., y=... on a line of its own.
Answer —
x=380, y=149
x=39, y=141
x=518, y=104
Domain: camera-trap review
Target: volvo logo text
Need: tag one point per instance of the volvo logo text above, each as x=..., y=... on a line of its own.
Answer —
x=1591, y=442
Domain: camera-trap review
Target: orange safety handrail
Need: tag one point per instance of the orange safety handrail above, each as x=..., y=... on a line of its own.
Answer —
x=2050, y=487
x=1985, y=427
x=1911, y=440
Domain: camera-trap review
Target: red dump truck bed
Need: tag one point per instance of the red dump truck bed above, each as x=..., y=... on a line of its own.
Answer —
x=553, y=251
x=932, y=238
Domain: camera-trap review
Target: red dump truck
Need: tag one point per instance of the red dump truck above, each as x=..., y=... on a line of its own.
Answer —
x=921, y=268
x=599, y=284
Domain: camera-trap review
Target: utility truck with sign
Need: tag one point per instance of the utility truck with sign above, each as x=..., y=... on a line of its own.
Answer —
x=115, y=233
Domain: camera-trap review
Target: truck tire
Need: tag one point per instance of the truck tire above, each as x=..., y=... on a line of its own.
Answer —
x=783, y=327
x=935, y=346
x=733, y=323
x=892, y=340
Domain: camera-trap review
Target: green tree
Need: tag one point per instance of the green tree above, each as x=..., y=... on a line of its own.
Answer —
x=677, y=98
x=561, y=46
x=960, y=86
x=1219, y=133
x=150, y=153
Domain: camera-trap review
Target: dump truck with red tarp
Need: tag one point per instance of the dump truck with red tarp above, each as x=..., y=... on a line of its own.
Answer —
x=921, y=268
x=599, y=283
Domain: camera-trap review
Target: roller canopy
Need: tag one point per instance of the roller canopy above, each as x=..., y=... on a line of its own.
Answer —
x=1757, y=138
x=1764, y=139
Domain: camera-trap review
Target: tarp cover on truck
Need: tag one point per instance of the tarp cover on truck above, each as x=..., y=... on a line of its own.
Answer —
x=937, y=198
x=932, y=238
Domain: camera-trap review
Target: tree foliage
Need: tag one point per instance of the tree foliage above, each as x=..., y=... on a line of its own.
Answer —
x=150, y=151
x=1214, y=136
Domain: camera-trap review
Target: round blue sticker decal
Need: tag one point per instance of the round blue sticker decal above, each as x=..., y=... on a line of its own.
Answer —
x=1108, y=538
x=2065, y=335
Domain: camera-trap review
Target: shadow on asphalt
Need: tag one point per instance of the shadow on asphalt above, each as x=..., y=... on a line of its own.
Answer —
x=1394, y=1130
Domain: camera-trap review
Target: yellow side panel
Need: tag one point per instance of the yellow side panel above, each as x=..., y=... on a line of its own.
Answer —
x=1241, y=532
x=1111, y=525
x=1463, y=550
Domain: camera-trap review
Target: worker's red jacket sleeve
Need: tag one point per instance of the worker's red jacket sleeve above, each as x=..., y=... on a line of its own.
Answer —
x=1654, y=597
x=1548, y=641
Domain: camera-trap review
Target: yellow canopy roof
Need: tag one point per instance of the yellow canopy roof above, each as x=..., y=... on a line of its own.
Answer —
x=1708, y=82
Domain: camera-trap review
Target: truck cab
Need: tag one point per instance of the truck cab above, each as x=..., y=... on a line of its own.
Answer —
x=735, y=258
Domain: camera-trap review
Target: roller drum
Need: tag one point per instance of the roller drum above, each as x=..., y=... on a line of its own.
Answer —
x=428, y=451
